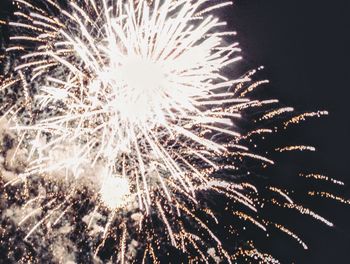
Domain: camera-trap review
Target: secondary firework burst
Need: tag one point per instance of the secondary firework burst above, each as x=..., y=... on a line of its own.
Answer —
x=122, y=108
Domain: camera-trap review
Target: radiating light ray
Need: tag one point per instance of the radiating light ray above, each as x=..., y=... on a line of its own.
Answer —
x=302, y=117
x=282, y=193
x=290, y=233
x=329, y=196
x=321, y=177
x=277, y=112
x=294, y=148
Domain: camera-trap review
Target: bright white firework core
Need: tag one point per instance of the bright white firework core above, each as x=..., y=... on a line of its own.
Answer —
x=140, y=83
x=114, y=191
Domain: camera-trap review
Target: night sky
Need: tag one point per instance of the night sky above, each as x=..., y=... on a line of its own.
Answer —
x=304, y=46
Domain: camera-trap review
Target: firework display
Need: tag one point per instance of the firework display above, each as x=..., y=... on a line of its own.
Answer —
x=121, y=129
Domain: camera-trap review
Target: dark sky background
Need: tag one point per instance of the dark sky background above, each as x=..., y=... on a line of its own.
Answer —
x=304, y=46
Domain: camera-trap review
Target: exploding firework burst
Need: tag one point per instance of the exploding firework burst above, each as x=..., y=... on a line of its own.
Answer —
x=119, y=127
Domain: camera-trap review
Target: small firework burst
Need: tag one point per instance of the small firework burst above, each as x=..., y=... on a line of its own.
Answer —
x=120, y=131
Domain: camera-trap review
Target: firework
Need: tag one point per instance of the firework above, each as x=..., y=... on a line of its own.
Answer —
x=122, y=120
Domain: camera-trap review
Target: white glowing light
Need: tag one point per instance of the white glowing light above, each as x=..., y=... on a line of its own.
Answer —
x=130, y=100
x=114, y=191
x=136, y=77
